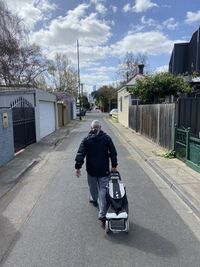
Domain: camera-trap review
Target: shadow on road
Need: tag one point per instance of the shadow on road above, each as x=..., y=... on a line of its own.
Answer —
x=145, y=240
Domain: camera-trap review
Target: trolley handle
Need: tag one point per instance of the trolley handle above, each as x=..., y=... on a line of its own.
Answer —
x=115, y=175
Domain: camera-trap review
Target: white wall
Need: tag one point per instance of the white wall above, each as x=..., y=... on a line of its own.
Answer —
x=123, y=114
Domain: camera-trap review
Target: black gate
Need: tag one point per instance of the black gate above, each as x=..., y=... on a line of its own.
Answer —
x=23, y=123
x=188, y=114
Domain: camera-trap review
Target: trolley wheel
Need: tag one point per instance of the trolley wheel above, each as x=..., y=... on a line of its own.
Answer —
x=127, y=226
x=107, y=229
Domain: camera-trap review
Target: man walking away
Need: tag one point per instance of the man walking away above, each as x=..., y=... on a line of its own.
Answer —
x=99, y=150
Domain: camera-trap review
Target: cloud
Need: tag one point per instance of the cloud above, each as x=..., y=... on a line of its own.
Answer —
x=164, y=68
x=136, y=28
x=102, y=69
x=192, y=17
x=97, y=79
x=101, y=8
x=149, y=43
x=170, y=23
x=96, y=1
x=127, y=8
x=77, y=24
x=140, y=6
x=143, y=5
x=151, y=23
x=31, y=11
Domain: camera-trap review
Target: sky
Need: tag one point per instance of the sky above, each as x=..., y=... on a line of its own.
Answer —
x=106, y=30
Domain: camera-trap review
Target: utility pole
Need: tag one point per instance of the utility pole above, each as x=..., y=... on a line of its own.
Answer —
x=79, y=84
x=81, y=92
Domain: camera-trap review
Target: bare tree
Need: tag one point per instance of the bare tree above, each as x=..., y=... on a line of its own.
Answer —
x=64, y=77
x=10, y=31
x=20, y=62
x=129, y=65
x=23, y=67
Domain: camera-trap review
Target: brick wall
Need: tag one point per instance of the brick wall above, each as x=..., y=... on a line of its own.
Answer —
x=6, y=138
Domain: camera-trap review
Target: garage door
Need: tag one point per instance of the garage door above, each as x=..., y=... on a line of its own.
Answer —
x=47, y=118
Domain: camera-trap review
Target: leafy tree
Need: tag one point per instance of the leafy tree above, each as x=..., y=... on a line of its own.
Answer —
x=84, y=101
x=154, y=88
x=104, y=96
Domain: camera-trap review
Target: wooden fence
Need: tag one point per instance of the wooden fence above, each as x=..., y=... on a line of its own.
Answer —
x=155, y=122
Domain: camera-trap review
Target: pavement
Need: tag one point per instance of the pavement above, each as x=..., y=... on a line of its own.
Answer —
x=24, y=160
x=184, y=181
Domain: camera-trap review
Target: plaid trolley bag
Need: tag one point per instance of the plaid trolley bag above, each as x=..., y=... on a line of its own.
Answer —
x=117, y=213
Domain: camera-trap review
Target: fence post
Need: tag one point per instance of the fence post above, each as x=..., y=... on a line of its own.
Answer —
x=188, y=143
x=136, y=116
x=158, y=124
x=175, y=131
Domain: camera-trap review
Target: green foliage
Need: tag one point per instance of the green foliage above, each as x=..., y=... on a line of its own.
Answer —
x=84, y=101
x=170, y=155
x=156, y=87
x=195, y=74
x=104, y=96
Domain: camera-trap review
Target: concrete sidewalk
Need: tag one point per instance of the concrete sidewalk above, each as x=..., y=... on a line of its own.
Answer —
x=13, y=171
x=182, y=179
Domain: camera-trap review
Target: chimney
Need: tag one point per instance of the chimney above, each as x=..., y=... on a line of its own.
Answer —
x=127, y=76
x=141, y=68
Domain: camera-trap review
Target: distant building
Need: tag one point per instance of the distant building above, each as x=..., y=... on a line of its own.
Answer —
x=126, y=99
x=185, y=57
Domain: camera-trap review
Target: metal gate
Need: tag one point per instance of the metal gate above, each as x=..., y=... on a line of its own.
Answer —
x=187, y=147
x=23, y=123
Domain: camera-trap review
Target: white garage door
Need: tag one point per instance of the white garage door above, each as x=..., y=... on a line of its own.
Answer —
x=47, y=118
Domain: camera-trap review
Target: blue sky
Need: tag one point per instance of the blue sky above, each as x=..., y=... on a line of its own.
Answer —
x=107, y=30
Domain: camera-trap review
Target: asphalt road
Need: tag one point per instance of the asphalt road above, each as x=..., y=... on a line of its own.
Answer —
x=63, y=230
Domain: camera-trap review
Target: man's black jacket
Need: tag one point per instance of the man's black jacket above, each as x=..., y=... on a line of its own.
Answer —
x=98, y=149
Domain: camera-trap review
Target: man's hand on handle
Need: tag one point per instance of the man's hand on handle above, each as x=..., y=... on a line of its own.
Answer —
x=113, y=169
x=78, y=173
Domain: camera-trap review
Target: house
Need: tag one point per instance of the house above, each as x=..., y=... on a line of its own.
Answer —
x=125, y=99
x=185, y=57
x=66, y=105
x=34, y=114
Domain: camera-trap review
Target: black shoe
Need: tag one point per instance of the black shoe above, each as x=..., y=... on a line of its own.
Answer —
x=103, y=222
x=94, y=202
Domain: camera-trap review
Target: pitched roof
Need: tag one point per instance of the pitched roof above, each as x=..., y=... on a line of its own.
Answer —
x=132, y=81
